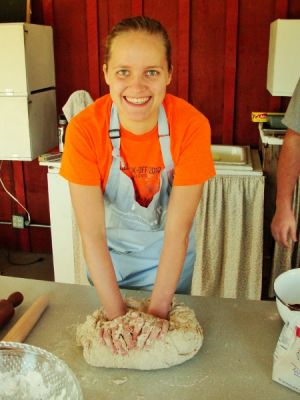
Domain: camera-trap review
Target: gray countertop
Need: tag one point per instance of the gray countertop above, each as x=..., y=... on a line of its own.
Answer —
x=235, y=361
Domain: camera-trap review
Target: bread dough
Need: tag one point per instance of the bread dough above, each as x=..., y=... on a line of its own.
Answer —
x=182, y=341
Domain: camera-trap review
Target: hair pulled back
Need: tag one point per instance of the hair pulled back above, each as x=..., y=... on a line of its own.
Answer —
x=139, y=24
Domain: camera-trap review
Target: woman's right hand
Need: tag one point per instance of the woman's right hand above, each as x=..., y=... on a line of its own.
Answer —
x=133, y=330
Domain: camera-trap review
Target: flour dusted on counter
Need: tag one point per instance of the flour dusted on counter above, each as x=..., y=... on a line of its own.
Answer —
x=25, y=386
x=182, y=341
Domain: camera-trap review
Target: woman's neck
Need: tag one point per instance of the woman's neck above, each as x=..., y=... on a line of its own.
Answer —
x=139, y=127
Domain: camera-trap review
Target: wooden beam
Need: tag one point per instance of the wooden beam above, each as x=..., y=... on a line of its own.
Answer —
x=281, y=9
x=183, y=57
x=231, y=34
x=103, y=23
x=137, y=7
x=48, y=12
x=93, y=47
x=28, y=11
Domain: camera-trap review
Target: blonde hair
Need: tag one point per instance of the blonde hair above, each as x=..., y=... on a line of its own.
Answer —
x=139, y=24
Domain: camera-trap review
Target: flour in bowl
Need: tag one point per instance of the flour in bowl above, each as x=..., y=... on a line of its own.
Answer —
x=27, y=385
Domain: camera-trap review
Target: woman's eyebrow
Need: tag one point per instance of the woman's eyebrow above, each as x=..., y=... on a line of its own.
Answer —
x=154, y=66
x=121, y=66
x=131, y=66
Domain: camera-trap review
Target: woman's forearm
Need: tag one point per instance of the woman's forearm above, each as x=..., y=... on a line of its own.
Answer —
x=88, y=205
x=168, y=274
x=103, y=275
x=176, y=239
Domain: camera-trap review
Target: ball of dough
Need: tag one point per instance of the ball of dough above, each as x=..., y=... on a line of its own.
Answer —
x=182, y=341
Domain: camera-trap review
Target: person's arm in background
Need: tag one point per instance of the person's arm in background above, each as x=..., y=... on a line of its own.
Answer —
x=182, y=207
x=88, y=205
x=284, y=224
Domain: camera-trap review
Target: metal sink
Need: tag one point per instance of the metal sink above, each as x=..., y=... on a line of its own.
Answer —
x=232, y=157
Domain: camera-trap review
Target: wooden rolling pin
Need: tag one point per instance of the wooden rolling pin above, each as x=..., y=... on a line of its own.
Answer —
x=24, y=325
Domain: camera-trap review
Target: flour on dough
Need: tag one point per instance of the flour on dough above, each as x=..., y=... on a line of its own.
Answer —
x=182, y=341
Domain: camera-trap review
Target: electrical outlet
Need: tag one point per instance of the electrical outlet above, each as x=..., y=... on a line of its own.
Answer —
x=18, y=221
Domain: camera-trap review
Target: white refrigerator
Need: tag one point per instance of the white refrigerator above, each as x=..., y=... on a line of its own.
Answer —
x=28, y=115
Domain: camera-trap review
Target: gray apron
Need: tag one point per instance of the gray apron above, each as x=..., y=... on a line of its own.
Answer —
x=135, y=233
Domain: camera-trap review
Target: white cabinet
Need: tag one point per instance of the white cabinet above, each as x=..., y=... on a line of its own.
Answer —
x=284, y=57
x=69, y=266
x=28, y=116
x=27, y=58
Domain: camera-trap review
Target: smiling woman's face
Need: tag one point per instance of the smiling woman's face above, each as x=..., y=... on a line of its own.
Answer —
x=137, y=74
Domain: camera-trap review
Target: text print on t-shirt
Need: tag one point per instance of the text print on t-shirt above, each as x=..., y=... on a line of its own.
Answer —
x=145, y=181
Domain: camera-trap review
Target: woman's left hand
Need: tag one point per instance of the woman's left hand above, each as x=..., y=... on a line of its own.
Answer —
x=153, y=329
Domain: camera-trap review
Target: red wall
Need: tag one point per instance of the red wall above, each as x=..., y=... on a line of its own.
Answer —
x=220, y=52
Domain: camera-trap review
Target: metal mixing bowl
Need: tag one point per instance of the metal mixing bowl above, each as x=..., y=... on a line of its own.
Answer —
x=29, y=372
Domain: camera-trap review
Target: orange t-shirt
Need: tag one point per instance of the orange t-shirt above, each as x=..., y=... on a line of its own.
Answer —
x=87, y=152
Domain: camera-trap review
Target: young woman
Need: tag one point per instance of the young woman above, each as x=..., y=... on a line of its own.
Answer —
x=136, y=160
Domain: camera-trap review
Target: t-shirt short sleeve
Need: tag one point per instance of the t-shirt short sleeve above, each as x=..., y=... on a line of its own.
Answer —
x=87, y=152
x=79, y=161
x=292, y=115
x=190, y=144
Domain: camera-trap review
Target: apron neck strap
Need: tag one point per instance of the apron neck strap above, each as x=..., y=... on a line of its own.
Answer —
x=163, y=133
x=164, y=137
x=114, y=127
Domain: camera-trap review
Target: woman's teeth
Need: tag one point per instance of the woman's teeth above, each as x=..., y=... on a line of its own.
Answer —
x=137, y=100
